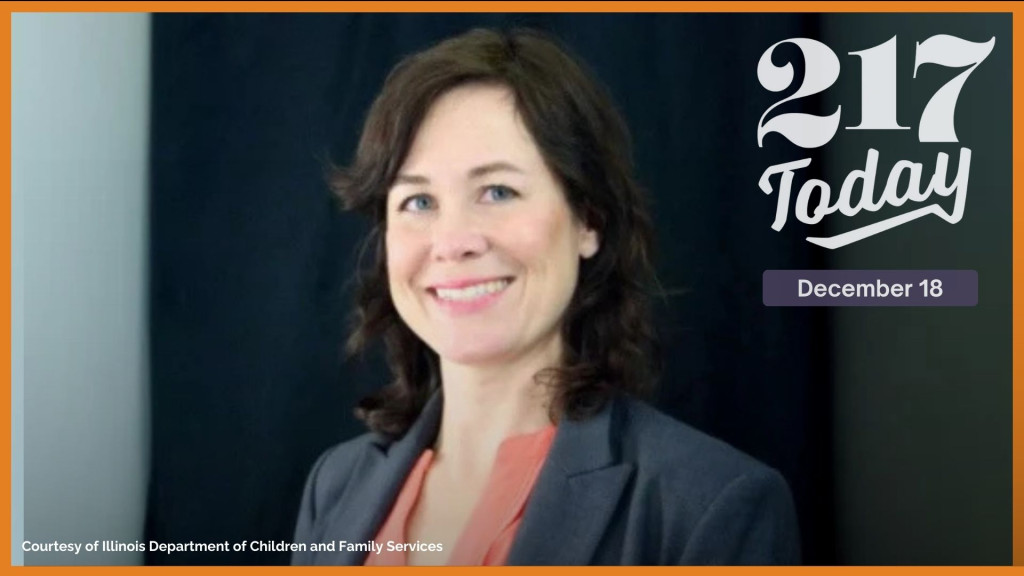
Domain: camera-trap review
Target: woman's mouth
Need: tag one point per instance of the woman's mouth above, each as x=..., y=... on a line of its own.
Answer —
x=472, y=292
x=470, y=298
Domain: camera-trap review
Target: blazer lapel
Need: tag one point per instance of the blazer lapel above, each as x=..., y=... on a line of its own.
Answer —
x=381, y=472
x=575, y=496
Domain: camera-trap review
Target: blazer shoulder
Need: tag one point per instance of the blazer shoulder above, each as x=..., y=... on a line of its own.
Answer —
x=673, y=451
x=727, y=507
x=333, y=470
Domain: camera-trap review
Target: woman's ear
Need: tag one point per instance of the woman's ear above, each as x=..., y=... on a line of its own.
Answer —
x=589, y=242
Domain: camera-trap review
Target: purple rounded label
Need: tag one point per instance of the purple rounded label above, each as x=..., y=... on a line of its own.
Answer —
x=870, y=287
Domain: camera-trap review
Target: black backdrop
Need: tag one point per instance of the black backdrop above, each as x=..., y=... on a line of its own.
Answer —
x=250, y=262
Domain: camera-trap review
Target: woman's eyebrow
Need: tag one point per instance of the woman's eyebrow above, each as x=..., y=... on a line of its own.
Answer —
x=477, y=172
x=411, y=179
x=492, y=167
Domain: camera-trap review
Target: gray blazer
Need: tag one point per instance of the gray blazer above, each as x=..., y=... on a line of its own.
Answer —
x=627, y=486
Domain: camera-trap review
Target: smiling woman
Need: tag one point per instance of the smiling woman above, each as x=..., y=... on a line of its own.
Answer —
x=511, y=285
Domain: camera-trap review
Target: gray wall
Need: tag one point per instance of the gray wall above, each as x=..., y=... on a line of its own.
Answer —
x=923, y=396
x=80, y=93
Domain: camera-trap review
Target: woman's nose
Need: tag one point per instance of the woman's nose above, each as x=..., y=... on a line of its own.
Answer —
x=456, y=236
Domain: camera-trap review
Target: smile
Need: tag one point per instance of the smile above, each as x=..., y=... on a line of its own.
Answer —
x=474, y=292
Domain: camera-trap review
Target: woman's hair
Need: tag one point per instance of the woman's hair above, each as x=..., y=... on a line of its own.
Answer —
x=608, y=337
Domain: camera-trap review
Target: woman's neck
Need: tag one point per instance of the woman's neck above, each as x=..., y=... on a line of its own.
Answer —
x=484, y=405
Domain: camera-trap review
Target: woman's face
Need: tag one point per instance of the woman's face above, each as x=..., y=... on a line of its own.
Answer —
x=482, y=248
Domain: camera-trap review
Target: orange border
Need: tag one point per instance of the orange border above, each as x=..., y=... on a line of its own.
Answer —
x=511, y=6
x=1018, y=302
x=506, y=6
x=5, y=281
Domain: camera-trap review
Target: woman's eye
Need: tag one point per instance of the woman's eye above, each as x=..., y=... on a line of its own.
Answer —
x=499, y=193
x=417, y=203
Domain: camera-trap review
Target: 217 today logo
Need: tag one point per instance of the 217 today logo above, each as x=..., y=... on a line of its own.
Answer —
x=878, y=95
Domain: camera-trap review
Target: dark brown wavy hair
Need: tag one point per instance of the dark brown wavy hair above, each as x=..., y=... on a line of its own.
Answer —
x=608, y=338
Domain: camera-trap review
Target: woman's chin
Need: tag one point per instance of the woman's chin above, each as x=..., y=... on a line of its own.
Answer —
x=476, y=353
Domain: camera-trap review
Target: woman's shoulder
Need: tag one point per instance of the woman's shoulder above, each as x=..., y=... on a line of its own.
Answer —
x=665, y=448
x=727, y=506
x=334, y=467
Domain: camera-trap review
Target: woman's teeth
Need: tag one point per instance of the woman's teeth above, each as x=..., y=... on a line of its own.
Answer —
x=472, y=292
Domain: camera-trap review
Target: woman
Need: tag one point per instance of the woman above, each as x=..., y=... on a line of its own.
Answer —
x=510, y=287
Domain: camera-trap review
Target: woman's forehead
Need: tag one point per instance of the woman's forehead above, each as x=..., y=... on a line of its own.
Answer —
x=469, y=127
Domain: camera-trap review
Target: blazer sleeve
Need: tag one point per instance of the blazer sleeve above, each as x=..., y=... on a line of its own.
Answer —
x=751, y=522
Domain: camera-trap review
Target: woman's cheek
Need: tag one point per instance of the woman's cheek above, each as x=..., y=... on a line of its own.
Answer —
x=402, y=248
x=540, y=237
